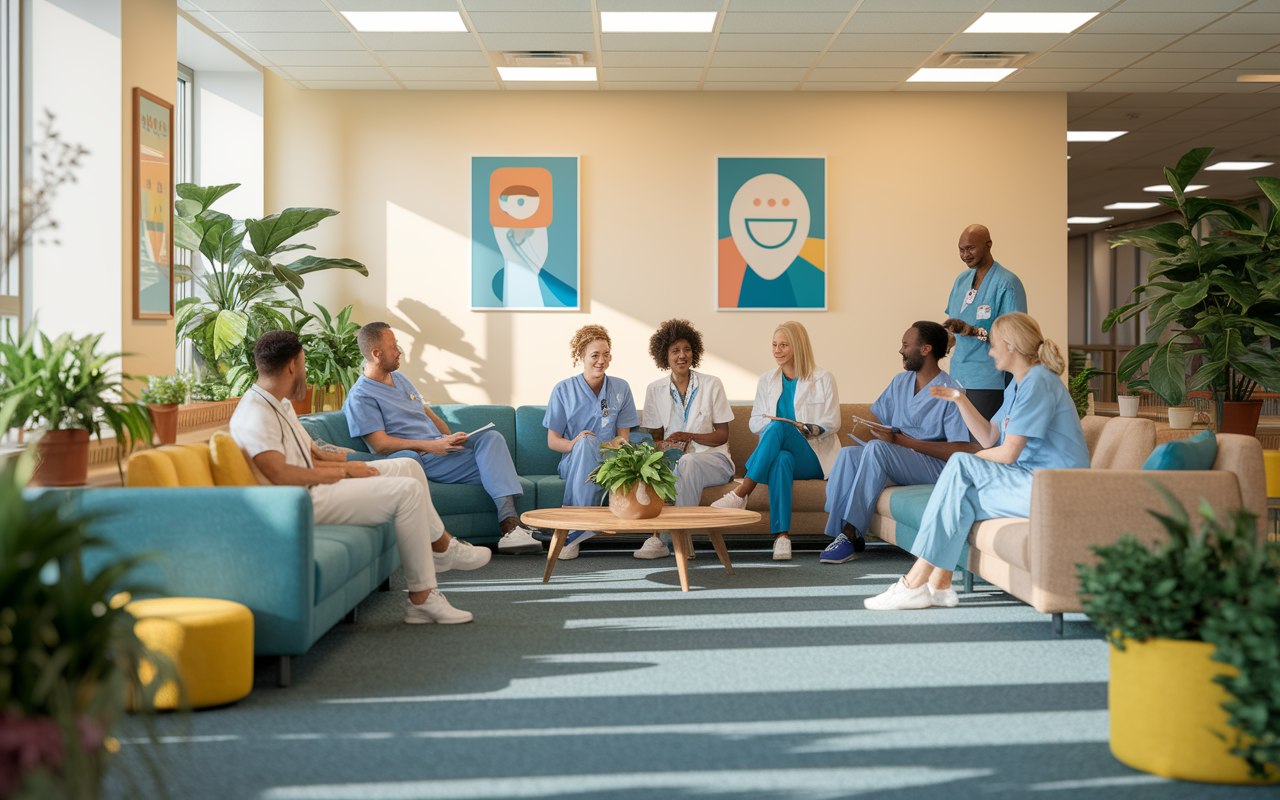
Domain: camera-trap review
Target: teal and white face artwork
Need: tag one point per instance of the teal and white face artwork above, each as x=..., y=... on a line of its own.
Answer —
x=769, y=220
x=520, y=202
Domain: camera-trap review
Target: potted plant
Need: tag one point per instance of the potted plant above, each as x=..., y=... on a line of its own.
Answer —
x=66, y=389
x=163, y=394
x=1197, y=616
x=334, y=361
x=1132, y=397
x=1079, y=388
x=209, y=391
x=639, y=480
x=1213, y=293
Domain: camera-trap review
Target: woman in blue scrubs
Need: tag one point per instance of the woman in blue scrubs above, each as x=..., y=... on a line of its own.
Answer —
x=585, y=412
x=796, y=414
x=1037, y=427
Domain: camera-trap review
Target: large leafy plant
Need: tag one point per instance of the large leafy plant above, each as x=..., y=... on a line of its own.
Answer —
x=1219, y=584
x=333, y=353
x=1213, y=291
x=243, y=282
x=629, y=464
x=165, y=389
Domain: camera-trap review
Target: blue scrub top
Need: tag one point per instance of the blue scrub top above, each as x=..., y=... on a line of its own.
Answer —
x=374, y=406
x=1040, y=408
x=920, y=415
x=1000, y=293
x=574, y=408
x=786, y=407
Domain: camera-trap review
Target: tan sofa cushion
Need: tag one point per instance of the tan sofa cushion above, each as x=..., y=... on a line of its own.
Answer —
x=1007, y=538
x=1122, y=443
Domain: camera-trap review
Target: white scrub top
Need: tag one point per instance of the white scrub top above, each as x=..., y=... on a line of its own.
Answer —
x=816, y=402
x=920, y=415
x=574, y=408
x=261, y=423
x=703, y=405
x=1040, y=408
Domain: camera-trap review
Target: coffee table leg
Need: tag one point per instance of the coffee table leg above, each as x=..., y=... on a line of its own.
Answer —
x=717, y=541
x=557, y=544
x=678, y=538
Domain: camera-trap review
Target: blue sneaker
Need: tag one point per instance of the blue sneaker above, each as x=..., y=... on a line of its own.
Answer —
x=839, y=551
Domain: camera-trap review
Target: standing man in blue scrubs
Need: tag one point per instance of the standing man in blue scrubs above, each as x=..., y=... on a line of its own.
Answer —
x=981, y=295
x=387, y=411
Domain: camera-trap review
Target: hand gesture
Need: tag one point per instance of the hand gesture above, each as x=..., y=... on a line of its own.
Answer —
x=359, y=469
x=616, y=442
x=883, y=434
x=946, y=393
x=578, y=438
x=680, y=436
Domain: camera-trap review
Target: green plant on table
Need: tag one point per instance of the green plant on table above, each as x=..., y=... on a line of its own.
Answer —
x=165, y=389
x=209, y=391
x=625, y=466
x=1219, y=584
x=1078, y=386
x=1214, y=286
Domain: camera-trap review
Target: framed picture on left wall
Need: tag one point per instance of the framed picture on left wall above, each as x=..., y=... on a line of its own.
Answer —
x=152, y=206
x=525, y=233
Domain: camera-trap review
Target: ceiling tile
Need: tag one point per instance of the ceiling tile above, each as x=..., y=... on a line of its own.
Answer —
x=407, y=74
x=814, y=6
x=1057, y=5
x=640, y=42
x=906, y=58
x=420, y=41
x=510, y=5
x=1150, y=23
x=918, y=22
x=771, y=59
x=1058, y=60
x=773, y=41
x=678, y=58
x=653, y=86
x=1006, y=86
x=675, y=74
x=304, y=41
x=793, y=74
x=440, y=86
x=1188, y=60
x=1090, y=100
x=260, y=5
x=1003, y=42
x=1108, y=86
x=532, y=22
x=849, y=86
x=321, y=58
x=1060, y=75
x=1242, y=88
x=1226, y=101
x=1119, y=112
x=1247, y=23
x=1218, y=114
x=538, y=41
x=751, y=22
x=1115, y=42
x=1161, y=75
x=1263, y=61
x=1224, y=43
x=889, y=41
x=932, y=6
x=744, y=86
x=1142, y=99
x=654, y=5
x=396, y=5
x=1261, y=6
x=308, y=74
x=1162, y=6
x=433, y=58
x=387, y=84
x=861, y=75
x=280, y=21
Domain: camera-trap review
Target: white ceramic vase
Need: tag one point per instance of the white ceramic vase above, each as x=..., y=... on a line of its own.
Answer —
x=1180, y=418
x=1129, y=405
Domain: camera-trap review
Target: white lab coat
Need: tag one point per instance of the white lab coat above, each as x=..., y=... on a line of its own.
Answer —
x=817, y=402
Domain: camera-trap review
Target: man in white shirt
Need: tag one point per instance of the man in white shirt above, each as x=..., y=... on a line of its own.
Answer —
x=348, y=492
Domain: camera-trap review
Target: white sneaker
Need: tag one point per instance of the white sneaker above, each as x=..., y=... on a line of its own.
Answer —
x=730, y=500
x=782, y=548
x=652, y=548
x=944, y=598
x=434, y=609
x=461, y=555
x=899, y=597
x=519, y=540
x=568, y=553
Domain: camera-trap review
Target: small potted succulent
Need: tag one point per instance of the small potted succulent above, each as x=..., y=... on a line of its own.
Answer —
x=639, y=480
x=163, y=394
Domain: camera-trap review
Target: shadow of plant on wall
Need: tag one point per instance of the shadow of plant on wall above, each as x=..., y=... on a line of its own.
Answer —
x=436, y=374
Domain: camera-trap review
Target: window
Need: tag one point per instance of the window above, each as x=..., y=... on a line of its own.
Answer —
x=10, y=161
x=183, y=172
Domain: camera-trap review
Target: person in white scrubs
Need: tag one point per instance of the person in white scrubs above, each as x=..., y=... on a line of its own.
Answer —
x=796, y=414
x=694, y=415
x=1036, y=427
x=584, y=413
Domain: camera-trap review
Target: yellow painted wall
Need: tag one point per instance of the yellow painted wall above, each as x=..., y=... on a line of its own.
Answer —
x=905, y=173
x=149, y=58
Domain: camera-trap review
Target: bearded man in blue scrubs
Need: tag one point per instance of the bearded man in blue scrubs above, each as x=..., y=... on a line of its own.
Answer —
x=387, y=411
x=982, y=294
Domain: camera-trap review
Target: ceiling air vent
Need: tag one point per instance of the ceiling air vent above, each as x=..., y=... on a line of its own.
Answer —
x=981, y=59
x=544, y=58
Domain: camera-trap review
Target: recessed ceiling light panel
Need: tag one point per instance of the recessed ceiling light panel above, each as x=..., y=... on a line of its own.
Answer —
x=1088, y=220
x=1094, y=136
x=1258, y=79
x=1129, y=206
x=1030, y=22
x=406, y=21
x=1239, y=166
x=547, y=73
x=960, y=74
x=657, y=21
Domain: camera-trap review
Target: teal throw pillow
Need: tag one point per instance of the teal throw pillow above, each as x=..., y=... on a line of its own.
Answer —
x=1198, y=452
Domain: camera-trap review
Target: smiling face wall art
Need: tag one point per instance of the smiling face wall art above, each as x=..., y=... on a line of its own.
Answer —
x=772, y=233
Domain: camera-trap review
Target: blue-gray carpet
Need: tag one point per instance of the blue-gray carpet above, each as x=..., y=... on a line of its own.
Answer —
x=609, y=682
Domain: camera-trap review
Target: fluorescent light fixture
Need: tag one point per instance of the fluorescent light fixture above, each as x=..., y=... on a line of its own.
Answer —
x=657, y=21
x=961, y=74
x=547, y=73
x=406, y=21
x=1030, y=22
x=1258, y=79
x=1094, y=136
x=1129, y=206
x=1239, y=166
x=1167, y=189
x=1088, y=220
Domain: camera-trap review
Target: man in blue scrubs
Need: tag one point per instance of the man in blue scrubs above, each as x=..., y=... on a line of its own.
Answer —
x=930, y=431
x=981, y=294
x=386, y=410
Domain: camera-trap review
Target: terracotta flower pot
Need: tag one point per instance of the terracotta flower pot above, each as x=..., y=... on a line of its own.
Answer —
x=303, y=406
x=164, y=419
x=640, y=502
x=1240, y=416
x=64, y=459
x=1181, y=417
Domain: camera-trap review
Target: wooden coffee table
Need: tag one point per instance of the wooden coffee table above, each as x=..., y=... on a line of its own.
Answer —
x=680, y=521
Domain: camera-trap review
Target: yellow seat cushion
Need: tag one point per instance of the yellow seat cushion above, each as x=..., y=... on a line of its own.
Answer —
x=191, y=462
x=230, y=467
x=151, y=468
x=209, y=642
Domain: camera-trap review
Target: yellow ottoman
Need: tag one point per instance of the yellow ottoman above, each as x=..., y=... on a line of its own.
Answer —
x=210, y=643
x=1271, y=462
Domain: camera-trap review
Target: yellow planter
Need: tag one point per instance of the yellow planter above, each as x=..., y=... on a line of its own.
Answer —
x=1165, y=709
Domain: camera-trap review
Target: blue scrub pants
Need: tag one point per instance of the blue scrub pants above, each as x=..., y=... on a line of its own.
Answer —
x=574, y=467
x=783, y=456
x=484, y=460
x=860, y=475
x=969, y=489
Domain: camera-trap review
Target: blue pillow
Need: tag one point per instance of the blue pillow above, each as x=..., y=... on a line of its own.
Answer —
x=1198, y=452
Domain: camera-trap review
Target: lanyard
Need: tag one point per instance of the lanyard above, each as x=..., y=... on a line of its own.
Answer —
x=306, y=457
x=686, y=405
x=604, y=400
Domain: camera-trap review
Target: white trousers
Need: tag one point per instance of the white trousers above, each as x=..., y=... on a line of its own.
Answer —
x=400, y=495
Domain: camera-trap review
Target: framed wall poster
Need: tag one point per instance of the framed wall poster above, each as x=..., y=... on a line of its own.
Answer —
x=525, y=233
x=152, y=206
x=771, y=218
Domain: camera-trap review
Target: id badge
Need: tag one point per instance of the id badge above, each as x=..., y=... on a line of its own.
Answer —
x=984, y=312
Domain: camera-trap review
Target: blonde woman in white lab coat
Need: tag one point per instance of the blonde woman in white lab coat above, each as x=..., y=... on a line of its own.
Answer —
x=796, y=414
